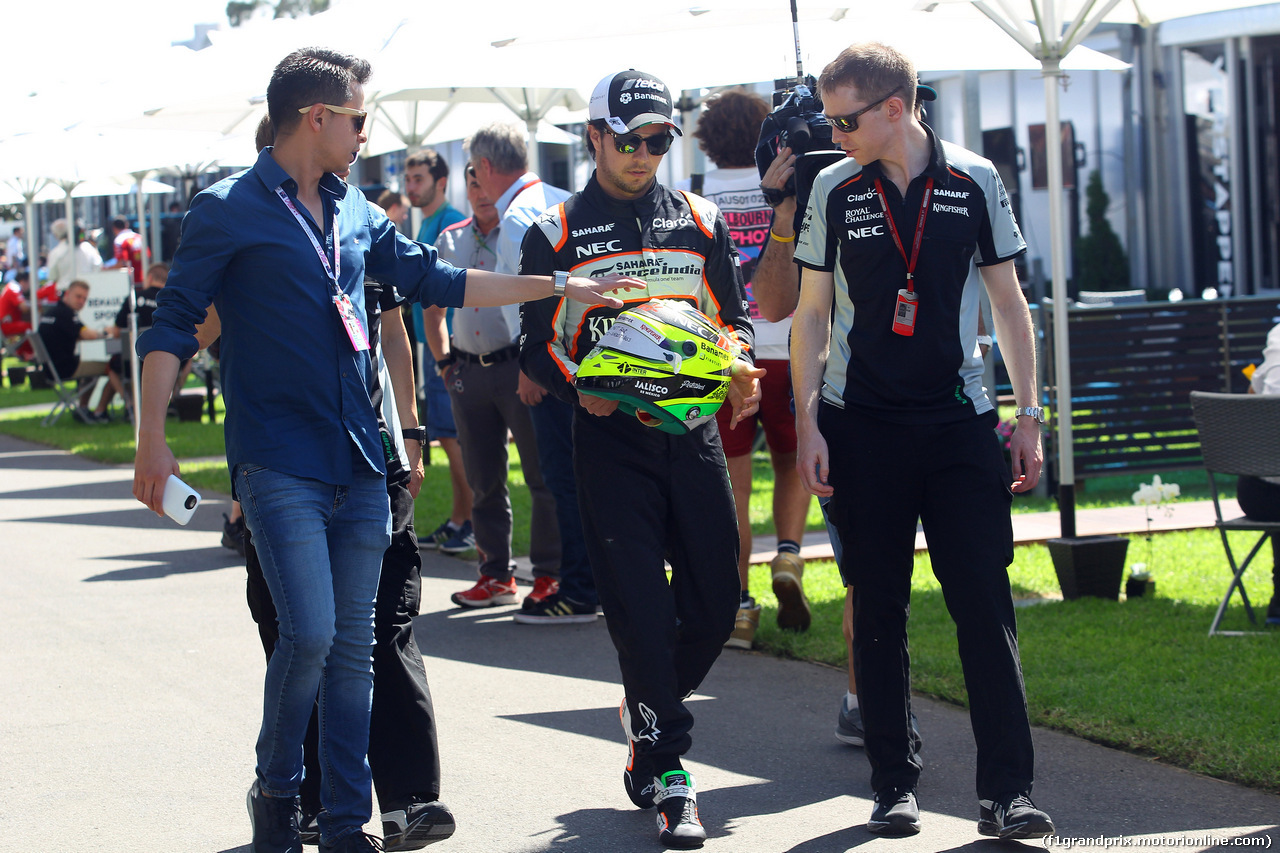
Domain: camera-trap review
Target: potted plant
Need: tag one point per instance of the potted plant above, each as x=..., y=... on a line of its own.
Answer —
x=1140, y=582
x=1156, y=495
x=1089, y=565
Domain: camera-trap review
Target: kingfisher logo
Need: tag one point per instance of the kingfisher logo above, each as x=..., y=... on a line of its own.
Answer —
x=598, y=327
x=650, y=389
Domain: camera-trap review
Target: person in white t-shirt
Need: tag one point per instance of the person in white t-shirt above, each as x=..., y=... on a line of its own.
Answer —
x=727, y=132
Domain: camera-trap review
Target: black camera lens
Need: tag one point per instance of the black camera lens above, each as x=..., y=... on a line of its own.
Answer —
x=190, y=502
x=690, y=348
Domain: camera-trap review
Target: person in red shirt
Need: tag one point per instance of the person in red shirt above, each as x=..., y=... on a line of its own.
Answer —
x=128, y=248
x=13, y=310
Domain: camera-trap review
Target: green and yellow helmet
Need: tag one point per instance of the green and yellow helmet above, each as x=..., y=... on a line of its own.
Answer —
x=665, y=362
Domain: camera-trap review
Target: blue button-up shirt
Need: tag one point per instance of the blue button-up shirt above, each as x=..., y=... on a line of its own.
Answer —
x=297, y=392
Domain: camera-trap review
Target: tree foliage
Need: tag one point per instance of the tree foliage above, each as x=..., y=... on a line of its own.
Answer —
x=239, y=11
x=1103, y=263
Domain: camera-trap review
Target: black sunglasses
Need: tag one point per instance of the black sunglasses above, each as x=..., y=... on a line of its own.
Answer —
x=630, y=144
x=849, y=123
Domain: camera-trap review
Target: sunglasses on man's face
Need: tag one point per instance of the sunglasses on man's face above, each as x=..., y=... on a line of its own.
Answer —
x=849, y=123
x=630, y=143
x=358, y=116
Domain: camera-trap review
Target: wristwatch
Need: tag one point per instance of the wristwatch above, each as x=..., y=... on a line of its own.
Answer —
x=445, y=363
x=418, y=434
x=560, y=280
x=1030, y=411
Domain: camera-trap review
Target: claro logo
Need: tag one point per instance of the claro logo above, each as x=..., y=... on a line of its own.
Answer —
x=866, y=231
x=591, y=249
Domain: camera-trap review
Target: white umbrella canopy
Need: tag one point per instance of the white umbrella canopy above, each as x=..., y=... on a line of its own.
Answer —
x=86, y=189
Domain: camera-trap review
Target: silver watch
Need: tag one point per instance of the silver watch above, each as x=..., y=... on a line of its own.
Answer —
x=1030, y=411
x=560, y=280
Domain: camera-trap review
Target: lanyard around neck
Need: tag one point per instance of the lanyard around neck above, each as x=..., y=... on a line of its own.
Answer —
x=334, y=270
x=893, y=230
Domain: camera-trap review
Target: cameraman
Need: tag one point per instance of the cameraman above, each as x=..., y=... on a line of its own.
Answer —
x=726, y=133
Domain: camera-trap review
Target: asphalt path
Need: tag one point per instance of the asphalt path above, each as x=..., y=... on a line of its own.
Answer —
x=132, y=682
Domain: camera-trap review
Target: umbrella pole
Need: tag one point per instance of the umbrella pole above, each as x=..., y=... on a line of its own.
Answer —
x=73, y=237
x=1061, y=345
x=33, y=260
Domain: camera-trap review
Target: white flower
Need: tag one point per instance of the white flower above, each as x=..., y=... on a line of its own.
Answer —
x=1156, y=493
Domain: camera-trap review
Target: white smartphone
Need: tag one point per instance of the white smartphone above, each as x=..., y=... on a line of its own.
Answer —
x=180, y=500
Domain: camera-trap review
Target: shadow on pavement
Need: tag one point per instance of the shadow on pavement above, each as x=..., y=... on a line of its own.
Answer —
x=45, y=460
x=113, y=490
x=772, y=719
x=168, y=563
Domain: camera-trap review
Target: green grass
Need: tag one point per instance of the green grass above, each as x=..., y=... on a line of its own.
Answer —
x=1140, y=675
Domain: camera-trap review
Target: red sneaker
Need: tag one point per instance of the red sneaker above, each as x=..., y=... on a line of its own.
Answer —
x=488, y=592
x=542, y=587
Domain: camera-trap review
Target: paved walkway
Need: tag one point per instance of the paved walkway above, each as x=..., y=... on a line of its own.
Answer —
x=132, y=679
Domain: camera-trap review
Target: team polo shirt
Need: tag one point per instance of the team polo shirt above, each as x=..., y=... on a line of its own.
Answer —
x=934, y=375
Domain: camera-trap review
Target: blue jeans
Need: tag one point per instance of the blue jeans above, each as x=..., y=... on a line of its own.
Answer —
x=553, y=427
x=321, y=550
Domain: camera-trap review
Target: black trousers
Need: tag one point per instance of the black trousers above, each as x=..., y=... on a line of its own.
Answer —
x=646, y=496
x=1261, y=500
x=403, y=755
x=953, y=478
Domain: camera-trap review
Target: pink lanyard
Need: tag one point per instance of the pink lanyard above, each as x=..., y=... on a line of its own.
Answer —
x=332, y=271
x=346, y=311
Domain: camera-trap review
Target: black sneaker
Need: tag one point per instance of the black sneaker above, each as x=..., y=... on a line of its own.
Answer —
x=233, y=534
x=638, y=777
x=1013, y=816
x=274, y=821
x=555, y=609
x=678, y=824
x=416, y=825
x=1273, y=611
x=356, y=842
x=84, y=416
x=441, y=534
x=309, y=828
x=895, y=813
x=849, y=728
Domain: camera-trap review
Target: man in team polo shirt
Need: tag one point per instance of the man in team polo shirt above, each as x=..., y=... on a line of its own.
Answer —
x=894, y=424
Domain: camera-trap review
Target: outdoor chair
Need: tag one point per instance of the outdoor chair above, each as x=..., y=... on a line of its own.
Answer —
x=1240, y=435
x=67, y=399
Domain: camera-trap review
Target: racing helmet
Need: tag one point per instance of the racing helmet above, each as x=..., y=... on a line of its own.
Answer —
x=663, y=361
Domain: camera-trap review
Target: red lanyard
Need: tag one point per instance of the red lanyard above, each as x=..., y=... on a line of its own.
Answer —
x=893, y=230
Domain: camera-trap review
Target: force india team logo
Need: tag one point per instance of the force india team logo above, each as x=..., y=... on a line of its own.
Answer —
x=651, y=269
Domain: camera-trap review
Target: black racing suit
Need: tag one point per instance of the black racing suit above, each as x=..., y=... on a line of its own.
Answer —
x=645, y=495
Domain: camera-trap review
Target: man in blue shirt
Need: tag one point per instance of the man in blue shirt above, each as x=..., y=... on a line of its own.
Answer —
x=282, y=251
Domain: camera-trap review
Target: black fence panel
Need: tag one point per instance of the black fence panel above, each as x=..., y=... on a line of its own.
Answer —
x=1133, y=368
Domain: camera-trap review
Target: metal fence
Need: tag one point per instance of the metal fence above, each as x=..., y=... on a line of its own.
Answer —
x=1133, y=368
